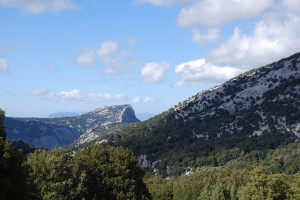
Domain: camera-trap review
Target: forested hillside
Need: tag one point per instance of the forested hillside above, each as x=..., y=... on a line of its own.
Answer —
x=258, y=110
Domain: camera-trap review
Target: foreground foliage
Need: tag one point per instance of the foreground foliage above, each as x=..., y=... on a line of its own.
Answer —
x=14, y=179
x=222, y=183
x=96, y=172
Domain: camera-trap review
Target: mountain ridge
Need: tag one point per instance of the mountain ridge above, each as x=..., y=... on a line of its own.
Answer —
x=259, y=109
x=55, y=132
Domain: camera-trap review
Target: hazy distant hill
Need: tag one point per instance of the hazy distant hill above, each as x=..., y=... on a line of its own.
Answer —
x=63, y=114
x=54, y=132
x=144, y=116
x=259, y=109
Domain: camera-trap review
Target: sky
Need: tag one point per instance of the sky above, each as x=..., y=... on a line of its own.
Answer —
x=76, y=56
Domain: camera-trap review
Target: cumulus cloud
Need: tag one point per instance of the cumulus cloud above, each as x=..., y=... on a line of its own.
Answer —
x=274, y=37
x=219, y=12
x=292, y=5
x=154, y=72
x=77, y=95
x=114, y=59
x=106, y=48
x=138, y=99
x=199, y=72
x=212, y=35
x=3, y=65
x=166, y=3
x=86, y=59
x=120, y=97
x=40, y=93
x=39, y=6
x=148, y=100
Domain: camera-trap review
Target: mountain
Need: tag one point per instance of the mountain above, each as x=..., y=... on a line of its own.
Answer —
x=257, y=110
x=55, y=132
x=63, y=114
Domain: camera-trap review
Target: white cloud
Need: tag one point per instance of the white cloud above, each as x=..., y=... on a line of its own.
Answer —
x=3, y=65
x=219, y=12
x=77, y=95
x=39, y=6
x=212, y=35
x=120, y=97
x=86, y=59
x=148, y=100
x=114, y=59
x=274, y=37
x=106, y=48
x=67, y=95
x=199, y=72
x=154, y=72
x=138, y=99
x=166, y=3
x=133, y=63
x=292, y=5
x=40, y=93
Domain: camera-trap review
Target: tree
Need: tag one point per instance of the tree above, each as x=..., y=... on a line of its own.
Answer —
x=160, y=188
x=109, y=173
x=264, y=186
x=14, y=179
x=96, y=172
x=2, y=128
x=53, y=174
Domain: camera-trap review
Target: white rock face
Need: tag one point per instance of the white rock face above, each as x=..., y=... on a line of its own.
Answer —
x=244, y=92
x=142, y=159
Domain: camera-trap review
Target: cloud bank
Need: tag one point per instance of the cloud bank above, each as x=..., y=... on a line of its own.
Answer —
x=77, y=95
x=39, y=6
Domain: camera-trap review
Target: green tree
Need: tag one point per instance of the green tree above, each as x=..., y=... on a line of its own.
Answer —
x=96, y=172
x=52, y=173
x=264, y=186
x=109, y=173
x=14, y=180
x=219, y=192
x=2, y=127
x=160, y=188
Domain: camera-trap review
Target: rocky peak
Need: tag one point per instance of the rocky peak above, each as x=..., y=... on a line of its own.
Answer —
x=50, y=132
x=128, y=115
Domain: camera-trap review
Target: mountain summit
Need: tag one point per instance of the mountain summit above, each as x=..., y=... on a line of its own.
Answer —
x=55, y=132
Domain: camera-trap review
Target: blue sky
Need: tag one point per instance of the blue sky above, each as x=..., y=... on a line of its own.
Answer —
x=76, y=56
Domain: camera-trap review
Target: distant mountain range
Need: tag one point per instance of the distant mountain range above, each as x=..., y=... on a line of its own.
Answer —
x=257, y=110
x=63, y=114
x=55, y=132
x=140, y=116
x=144, y=116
